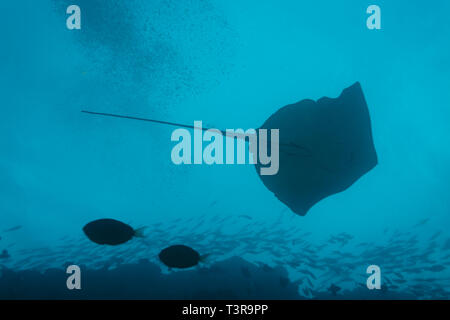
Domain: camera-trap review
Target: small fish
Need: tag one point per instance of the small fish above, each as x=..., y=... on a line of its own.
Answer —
x=308, y=273
x=446, y=245
x=400, y=281
x=4, y=254
x=334, y=289
x=13, y=229
x=434, y=236
x=436, y=268
x=421, y=222
x=393, y=286
x=213, y=203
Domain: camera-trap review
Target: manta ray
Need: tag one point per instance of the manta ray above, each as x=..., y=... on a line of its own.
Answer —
x=325, y=146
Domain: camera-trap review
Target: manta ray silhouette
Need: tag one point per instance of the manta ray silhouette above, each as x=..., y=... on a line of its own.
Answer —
x=325, y=146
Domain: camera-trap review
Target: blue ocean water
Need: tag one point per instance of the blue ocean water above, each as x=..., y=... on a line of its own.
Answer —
x=230, y=64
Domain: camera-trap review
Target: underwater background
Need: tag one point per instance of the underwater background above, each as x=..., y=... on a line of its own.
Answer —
x=230, y=64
